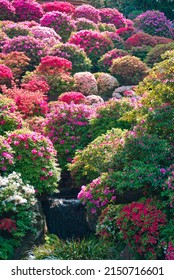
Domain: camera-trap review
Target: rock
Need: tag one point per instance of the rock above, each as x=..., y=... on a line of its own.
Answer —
x=117, y=95
x=123, y=88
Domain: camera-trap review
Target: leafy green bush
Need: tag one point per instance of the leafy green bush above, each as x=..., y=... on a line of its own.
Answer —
x=154, y=55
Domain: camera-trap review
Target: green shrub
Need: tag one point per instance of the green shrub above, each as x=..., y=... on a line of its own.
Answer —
x=154, y=55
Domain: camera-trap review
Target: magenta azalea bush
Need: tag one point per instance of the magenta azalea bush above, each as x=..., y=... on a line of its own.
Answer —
x=105, y=61
x=6, y=156
x=6, y=75
x=60, y=22
x=88, y=12
x=113, y=16
x=27, y=10
x=85, y=24
x=7, y=10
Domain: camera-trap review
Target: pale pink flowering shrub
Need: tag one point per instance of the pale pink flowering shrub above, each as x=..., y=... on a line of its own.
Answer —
x=106, y=85
x=35, y=159
x=7, y=11
x=88, y=12
x=6, y=156
x=27, y=10
x=94, y=100
x=113, y=16
x=60, y=22
x=45, y=33
x=86, y=83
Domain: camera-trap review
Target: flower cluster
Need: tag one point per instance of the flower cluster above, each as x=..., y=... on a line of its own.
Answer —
x=35, y=159
x=63, y=7
x=27, y=10
x=105, y=61
x=72, y=96
x=7, y=225
x=140, y=224
x=6, y=156
x=60, y=22
x=86, y=83
x=85, y=24
x=6, y=75
x=7, y=11
x=36, y=84
x=140, y=39
x=113, y=16
x=97, y=195
x=94, y=43
x=78, y=57
x=154, y=23
x=88, y=12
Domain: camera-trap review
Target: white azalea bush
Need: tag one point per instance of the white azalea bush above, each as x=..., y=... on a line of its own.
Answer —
x=17, y=217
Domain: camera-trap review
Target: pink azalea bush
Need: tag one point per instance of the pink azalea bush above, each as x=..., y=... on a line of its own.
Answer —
x=126, y=32
x=88, y=12
x=154, y=23
x=60, y=22
x=116, y=39
x=36, y=84
x=113, y=16
x=35, y=159
x=86, y=83
x=63, y=7
x=27, y=10
x=72, y=96
x=140, y=39
x=16, y=29
x=6, y=156
x=45, y=34
x=7, y=10
x=94, y=43
x=6, y=75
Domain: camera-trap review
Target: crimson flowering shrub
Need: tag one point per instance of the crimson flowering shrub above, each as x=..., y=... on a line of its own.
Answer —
x=85, y=24
x=170, y=251
x=105, y=61
x=27, y=10
x=60, y=22
x=97, y=195
x=16, y=29
x=113, y=16
x=63, y=7
x=154, y=23
x=6, y=75
x=67, y=127
x=116, y=39
x=106, y=27
x=6, y=156
x=140, y=224
x=78, y=57
x=86, y=83
x=94, y=43
x=139, y=39
x=36, y=84
x=30, y=46
x=162, y=40
x=126, y=32
x=35, y=159
x=106, y=84
x=72, y=96
x=29, y=103
x=7, y=11
x=129, y=70
x=88, y=12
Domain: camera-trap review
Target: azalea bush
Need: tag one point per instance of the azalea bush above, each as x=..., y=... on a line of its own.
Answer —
x=36, y=84
x=6, y=156
x=78, y=57
x=129, y=70
x=113, y=16
x=7, y=10
x=46, y=34
x=116, y=39
x=88, y=12
x=60, y=22
x=17, y=213
x=94, y=43
x=67, y=126
x=35, y=159
x=106, y=27
x=106, y=84
x=85, y=24
x=63, y=7
x=154, y=23
x=86, y=83
x=126, y=32
x=140, y=51
x=72, y=96
x=27, y=10
x=105, y=61
x=140, y=39
x=16, y=29
x=6, y=75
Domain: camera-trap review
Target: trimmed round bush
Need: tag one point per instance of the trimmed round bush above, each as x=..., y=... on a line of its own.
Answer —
x=85, y=24
x=35, y=159
x=94, y=100
x=140, y=52
x=6, y=156
x=36, y=84
x=154, y=23
x=7, y=11
x=45, y=33
x=16, y=29
x=112, y=16
x=78, y=57
x=106, y=84
x=116, y=39
x=72, y=96
x=105, y=61
x=139, y=39
x=63, y=7
x=106, y=27
x=28, y=10
x=94, y=43
x=88, y=12
x=86, y=83
x=126, y=32
x=6, y=75
x=60, y=22
x=162, y=40
x=129, y=70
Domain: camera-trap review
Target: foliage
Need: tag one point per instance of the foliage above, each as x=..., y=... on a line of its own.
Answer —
x=129, y=70
x=106, y=27
x=27, y=10
x=88, y=12
x=86, y=83
x=116, y=39
x=105, y=61
x=140, y=52
x=35, y=159
x=6, y=156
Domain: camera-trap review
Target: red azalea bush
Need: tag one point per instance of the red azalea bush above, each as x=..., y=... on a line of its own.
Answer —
x=29, y=103
x=35, y=159
x=113, y=16
x=105, y=61
x=7, y=11
x=27, y=10
x=6, y=75
x=126, y=32
x=94, y=43
x=72, y=96
x=30, y=46
x=140, y=224
x=54, y=65
x=140, y=39
x=63, y=7
x=67, y=127
x=88, y=12
x=60, y=22
x=154, y=23
x=6, y=156
x=78, y=57
x=36, y=84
